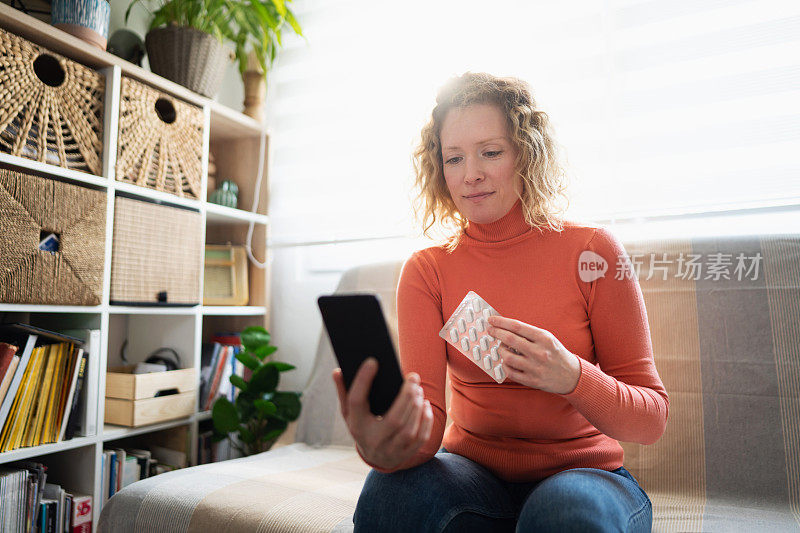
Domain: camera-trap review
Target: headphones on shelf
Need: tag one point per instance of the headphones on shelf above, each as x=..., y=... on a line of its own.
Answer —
x=155, y=358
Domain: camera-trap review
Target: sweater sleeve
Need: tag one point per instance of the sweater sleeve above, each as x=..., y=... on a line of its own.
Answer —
x=622, y=395
x=422, y=350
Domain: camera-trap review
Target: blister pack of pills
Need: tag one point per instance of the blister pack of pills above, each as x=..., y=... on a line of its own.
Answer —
x=466, y=330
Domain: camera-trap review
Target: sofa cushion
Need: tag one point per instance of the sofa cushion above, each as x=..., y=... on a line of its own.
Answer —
x=290, y=489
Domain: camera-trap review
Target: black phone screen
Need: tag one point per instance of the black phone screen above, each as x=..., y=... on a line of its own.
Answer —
x=357, y=329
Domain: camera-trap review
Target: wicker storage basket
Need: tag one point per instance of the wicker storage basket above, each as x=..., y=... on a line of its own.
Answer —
x=30, y=207
x=160, y=141
x=156, y=250
x=51, y=108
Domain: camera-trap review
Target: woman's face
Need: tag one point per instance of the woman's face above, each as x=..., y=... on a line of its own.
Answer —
x=478, y=159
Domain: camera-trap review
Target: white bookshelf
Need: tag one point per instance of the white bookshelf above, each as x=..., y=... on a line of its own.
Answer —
x=240, y=144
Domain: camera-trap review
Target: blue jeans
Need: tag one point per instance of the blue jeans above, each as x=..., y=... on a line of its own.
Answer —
x=451, y=493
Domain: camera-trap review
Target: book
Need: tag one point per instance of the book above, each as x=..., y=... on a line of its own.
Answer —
x=59, y=404
x=14, y=430
x=7, y=352
x=81, y=514
x=223, y=358
x=42, y=396
x=108, y=458
x=121, y=456
x=5, y=408
x=78, y=363
x=6, y=383
x=144, y=458
x=131, y=472
x=208, y=362
x=74, y=411
x=87, y=422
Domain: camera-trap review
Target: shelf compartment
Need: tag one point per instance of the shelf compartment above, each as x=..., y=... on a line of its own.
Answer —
x=228, y=124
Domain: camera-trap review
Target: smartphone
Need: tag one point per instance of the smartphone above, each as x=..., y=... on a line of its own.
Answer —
x=357, y=330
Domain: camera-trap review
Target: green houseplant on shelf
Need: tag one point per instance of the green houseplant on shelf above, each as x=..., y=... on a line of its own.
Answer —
x=260, y=413
x=185, y=38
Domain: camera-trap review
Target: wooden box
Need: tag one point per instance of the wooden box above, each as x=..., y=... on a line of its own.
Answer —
x=132, y=399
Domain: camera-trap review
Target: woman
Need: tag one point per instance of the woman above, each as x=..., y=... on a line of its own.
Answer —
x=538, y=452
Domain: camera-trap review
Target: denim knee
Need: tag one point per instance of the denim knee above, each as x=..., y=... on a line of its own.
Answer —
x=429, y=497
x=578, y=500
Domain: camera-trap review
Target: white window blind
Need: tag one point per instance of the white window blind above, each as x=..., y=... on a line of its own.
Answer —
x=662, y=108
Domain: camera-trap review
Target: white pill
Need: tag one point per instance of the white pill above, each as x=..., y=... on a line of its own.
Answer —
x=476, y=305
x=465, y=344
x=462, y=325
x=487, y=313
x=495, y=355
x=480, y=324
x=470, y=315
x=476, y=353
x=487, y=363
x=454, y=335
x=499, y=373
x=473, y=335
x=485, y=343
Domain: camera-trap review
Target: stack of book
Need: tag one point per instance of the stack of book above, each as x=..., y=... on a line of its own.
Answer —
x=218, y=363
x=29, y=503
x=44, y=397
x=121, y=467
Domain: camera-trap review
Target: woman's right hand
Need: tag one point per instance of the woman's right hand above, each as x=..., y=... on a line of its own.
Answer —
x=390, y=440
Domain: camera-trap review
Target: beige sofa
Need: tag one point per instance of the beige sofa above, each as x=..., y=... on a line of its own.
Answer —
x=728, y=351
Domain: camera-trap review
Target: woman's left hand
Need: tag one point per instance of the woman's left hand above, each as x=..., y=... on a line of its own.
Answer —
x=540, y=362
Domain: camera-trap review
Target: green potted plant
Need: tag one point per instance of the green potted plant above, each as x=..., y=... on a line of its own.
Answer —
x=260, y=413
x=185, y=38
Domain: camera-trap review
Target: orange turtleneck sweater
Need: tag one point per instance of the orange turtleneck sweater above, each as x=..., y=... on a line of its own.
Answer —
x=517, y=432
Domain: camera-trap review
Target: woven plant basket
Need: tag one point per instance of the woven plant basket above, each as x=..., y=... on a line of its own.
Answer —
x=31, y=205
x=156, y=249
x=187, y=56
x=51, y=108
x=160, y=141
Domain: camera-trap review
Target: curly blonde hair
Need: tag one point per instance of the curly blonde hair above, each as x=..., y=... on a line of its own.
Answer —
x=543, y=178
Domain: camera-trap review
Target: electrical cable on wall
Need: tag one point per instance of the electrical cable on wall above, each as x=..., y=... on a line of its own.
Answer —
x=249, y=243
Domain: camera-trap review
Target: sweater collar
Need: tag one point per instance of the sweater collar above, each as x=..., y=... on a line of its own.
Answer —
x=507, y=227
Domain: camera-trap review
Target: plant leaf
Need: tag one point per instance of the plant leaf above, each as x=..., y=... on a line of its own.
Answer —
x=246, y=435
x=282, y=367
x=265, y=408
x=265, y=379
x=274, y=434
x=239, y=382
x=224, y=415
x=264, y=351
x=293, y=23
x=280, y=5
x=254, y=336
x=288, y=404
x=248, y=360
x=244, y=404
